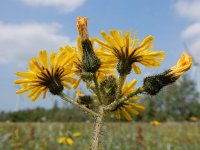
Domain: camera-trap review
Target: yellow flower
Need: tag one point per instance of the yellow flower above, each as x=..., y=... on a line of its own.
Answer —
x=183, y=65
x=127, y=51
x=105, y=68
x=44, y=75
x=69, y=141
x=128, y=106
x=193, y=119
x=82, y=27
x=155, y=123
x=65, y=140
x=77, y=134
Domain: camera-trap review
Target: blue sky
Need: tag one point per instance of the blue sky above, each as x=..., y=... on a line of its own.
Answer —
x=28, y=26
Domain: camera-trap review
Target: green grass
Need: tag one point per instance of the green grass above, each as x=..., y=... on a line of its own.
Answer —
x=116, y=136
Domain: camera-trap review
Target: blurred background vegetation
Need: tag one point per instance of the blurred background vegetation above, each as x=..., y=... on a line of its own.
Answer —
x=177, y=102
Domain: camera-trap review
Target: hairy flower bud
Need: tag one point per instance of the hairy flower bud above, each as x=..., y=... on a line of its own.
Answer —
x=108, y=89
x=124, y=67
x=91, y=62
x=153, y=84
x=85, y=100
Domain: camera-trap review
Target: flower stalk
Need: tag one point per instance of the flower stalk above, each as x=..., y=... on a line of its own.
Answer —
x=97, y=88
x=114, y=104
x=120, y=85
x=67, y=99
x=97, y=130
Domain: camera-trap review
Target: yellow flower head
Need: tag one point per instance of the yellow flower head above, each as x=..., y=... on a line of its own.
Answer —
x=127, y=51
x=82, y=27
x=77, y=134
x=65, y=140
x=155, y=123
x=43, y=74
x=183, y=65
x=128, y=106
x=105, y=68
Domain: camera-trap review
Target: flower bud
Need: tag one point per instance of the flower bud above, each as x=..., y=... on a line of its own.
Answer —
x=123, y=67
x=153, y=84
x=91, y=62
x=85, y=100
x=108, y=89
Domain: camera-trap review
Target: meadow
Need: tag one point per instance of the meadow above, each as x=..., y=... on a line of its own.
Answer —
x=118, y=136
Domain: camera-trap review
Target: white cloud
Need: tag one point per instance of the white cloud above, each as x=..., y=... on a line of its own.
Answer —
x=19, y=42
x=66, y=5
x=191, y=35
x=192, y=31
x=188, y=8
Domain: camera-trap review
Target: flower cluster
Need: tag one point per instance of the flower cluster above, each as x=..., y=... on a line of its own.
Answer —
x=104, y=69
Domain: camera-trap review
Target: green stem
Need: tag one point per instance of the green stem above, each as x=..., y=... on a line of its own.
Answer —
x=114, y=104
x=120, y=85
x=65, y=98
x=97, y=88
x=98, y=127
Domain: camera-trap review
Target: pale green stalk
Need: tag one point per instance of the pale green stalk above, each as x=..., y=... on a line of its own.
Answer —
x=89, y=111
x=114, y=104
x=98, y=93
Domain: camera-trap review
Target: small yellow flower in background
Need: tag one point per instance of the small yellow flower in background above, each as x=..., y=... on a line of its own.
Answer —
x=155, y=123
x=127, y=51
x=193, y=119
x=65, y=140
x=183, y=65
x=61, y=140
x=69, y=141
x=77, y=134
x=128, y=106
x=16, y=132
x=43, y=74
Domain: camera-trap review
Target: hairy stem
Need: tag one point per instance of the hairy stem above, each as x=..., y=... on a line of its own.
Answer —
x=114, y=104
x=97, y=131
x=66, y=98
x=120, y=85
x=97, y=88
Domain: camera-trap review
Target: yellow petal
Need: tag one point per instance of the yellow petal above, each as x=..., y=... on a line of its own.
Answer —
x=136, y=69
x=117, y=37
x=69, y=141
x=66, y=86
x=132, y=111
x=126, y=114
x=43, y=59
x=25, y=89
x=69, y=79
x=28, y=75
x=76, y=83
x=37, y=93
x=117, y=114
x=134, y=98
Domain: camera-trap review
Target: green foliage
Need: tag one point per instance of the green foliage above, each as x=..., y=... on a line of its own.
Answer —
x=178, y=102
x=119, y=136
x=55, y=114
